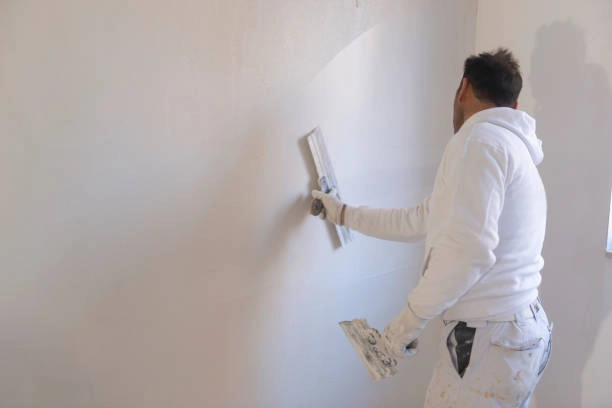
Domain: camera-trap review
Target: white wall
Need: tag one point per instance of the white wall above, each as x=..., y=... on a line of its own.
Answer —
x=564, y=48
x=155, y=245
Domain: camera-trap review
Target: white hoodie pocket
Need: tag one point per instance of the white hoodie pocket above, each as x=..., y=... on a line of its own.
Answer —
x=426, y=262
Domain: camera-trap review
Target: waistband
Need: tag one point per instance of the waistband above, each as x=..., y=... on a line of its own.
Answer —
x=529, y=312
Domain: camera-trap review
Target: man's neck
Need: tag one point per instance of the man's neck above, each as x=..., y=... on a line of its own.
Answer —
x=477, y=107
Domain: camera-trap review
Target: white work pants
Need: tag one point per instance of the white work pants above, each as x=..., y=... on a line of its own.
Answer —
x=505, y=364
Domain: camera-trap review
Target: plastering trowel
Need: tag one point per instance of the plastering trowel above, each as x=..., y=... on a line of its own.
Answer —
x=371, y=348
x=326, y=179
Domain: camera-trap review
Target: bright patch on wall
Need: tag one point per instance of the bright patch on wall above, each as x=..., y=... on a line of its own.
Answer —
x=609, y=247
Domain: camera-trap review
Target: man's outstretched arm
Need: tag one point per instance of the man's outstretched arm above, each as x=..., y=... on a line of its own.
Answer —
x=394, y=224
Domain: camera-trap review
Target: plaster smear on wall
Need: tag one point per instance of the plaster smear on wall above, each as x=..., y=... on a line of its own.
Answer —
x=341, y=99
x=375, y=128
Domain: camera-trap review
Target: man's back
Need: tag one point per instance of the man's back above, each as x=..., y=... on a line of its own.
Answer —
x=488, y=207
x=522, y=226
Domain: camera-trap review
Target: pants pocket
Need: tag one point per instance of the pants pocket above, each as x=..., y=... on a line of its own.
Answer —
x=546, y=355
x=523, y=345
x=523, y=349
x=521, y=336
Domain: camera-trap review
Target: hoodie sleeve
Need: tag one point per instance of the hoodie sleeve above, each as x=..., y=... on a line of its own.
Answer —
x=464, y=250
x=396, y=224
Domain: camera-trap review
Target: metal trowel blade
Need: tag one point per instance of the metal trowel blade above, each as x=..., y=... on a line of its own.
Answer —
x=370, y=348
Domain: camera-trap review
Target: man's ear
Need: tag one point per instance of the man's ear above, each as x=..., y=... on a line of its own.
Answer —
x=463, y=89
x=515, y=106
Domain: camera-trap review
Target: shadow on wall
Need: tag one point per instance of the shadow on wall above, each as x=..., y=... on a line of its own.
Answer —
x=573, y=112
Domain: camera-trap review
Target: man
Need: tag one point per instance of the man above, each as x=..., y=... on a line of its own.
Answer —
x=484, y=226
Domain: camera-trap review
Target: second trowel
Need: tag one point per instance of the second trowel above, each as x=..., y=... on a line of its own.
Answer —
x=370, y=348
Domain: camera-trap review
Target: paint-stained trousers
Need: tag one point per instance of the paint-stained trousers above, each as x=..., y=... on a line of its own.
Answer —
x=490, y=364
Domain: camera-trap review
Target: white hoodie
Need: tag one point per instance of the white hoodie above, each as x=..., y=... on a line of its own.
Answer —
x=484, y=221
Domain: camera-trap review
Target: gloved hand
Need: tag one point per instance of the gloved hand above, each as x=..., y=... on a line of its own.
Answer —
x=333, y=206
x=401, y=334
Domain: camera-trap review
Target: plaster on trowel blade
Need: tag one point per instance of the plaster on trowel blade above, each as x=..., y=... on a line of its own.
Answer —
x=368, y=344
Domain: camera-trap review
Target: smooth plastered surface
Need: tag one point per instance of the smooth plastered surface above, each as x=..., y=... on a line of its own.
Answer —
x=156, y=247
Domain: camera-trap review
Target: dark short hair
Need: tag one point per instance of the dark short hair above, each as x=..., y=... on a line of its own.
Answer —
x=495, y=77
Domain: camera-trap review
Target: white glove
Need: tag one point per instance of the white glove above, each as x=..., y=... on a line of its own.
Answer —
x=401, y=334
x=333, y=206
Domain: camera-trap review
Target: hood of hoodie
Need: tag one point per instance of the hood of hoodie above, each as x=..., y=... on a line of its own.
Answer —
x=517, y=122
